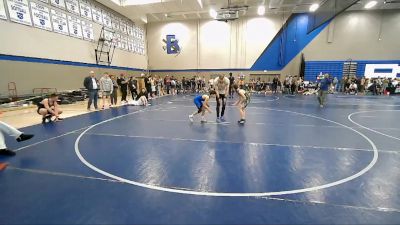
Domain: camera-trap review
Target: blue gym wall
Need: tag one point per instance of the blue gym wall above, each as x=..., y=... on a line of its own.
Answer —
x=287, y=44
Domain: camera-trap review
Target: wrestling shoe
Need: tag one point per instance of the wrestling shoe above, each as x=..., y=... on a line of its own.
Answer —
x=24, y=137
x=242, y=121
x=46, y=119
x=58, y=119
x=7, y=152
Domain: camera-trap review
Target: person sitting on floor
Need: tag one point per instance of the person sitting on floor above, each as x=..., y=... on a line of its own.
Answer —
x=48, y=108
x=19, y=136
x=142, y=101
x=353, y=89
x=142, y=93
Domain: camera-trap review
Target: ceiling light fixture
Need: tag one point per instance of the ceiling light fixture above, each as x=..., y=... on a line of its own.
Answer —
x=213, y=13
x=314, y=7
x=261, y=10
x=200, y=3
x=370, y=4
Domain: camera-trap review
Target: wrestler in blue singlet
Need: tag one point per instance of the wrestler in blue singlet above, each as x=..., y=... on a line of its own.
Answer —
x=198, y=101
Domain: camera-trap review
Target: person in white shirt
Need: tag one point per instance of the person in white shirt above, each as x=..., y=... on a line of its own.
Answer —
x=142, y=101
x=221, y=84
x=379, y=84
x=173, y=86
x=395, y=82
x=210, y=84
x=353, y=88
x=153, y=86
x=107, y=88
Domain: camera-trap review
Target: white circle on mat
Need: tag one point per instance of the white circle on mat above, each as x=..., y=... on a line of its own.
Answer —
x=349, y=117
x=232, y=194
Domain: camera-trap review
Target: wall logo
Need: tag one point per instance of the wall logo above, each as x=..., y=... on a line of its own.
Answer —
x=171, y=45
x=382, y=70
x=20, y=16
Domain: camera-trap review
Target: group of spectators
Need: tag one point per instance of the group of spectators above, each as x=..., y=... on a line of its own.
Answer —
x=174, y=86
x=154, y=86
x=256, y=85
x=290, y=85
x=195, y=84
x=199, y=84
x=157, y=86
x=346, y=85
x=374, y=86
x=108, y=86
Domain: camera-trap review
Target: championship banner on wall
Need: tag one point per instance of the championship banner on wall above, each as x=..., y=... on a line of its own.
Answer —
x=3, y=14
x=115, y=22
x=122, y=26
x=59, y=20
x=140, y=50
x=135, y=34
x=117, y=39
x=130, y=45
x=58, y=3
x=87, y=30
x=129, y=30
x=19, y=11
x=135, y=47
x=74, y=25
x=96, y=14
x=124, y=43
x=106, y=19
x=108, y=36
x=86, y=10
x=41, y=16
x=72, y=6
x=140, y=33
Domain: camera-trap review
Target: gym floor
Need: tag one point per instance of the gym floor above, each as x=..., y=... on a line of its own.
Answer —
x=291, y=163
